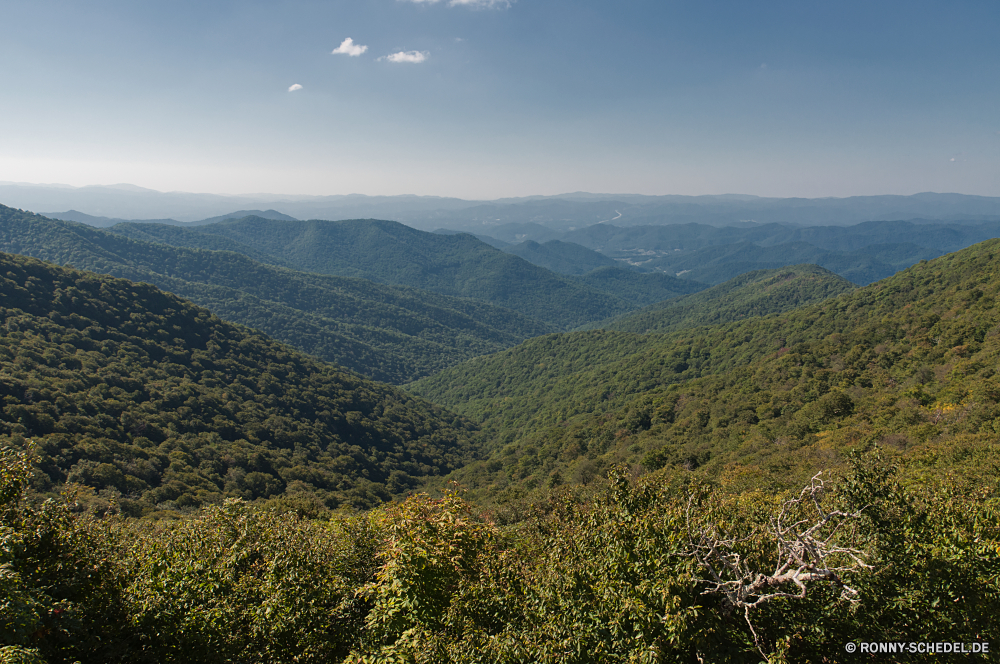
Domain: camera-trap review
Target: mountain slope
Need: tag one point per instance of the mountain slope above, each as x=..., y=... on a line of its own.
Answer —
x=756, y=293
x=639, y=288
x=908, y=362
x=561, y=257
x=390, y=333
x=391, y=253
x=719, y=263
x=133, y=391
x=609, y=239
x=862, y=253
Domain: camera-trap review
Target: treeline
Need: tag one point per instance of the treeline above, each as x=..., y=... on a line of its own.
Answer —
x=655, y=569
x=160, y=406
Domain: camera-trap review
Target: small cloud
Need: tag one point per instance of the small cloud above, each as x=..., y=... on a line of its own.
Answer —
x=296, y=86
x=763, y=65
x=406, y=56
x=348, y=47
x=952, y=159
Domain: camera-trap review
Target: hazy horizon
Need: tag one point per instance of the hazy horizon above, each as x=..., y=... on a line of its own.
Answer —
x=126, y=186
x=488, y=99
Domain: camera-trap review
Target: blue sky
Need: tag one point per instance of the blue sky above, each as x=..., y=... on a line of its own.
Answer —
x=531, y=97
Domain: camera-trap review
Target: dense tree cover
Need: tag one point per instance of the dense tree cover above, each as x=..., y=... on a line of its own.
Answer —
x=624, y=576
x=716, y=264
x=757, y=293
x=391, y=253
x=909, y=362
x=627, y=473
x=160, y=405
x=390, y=333
x=679, y=238
x=862, y=253
x=561, y=257
x=639, y=288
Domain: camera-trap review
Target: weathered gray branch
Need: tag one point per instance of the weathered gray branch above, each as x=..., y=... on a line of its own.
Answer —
x=807, y=552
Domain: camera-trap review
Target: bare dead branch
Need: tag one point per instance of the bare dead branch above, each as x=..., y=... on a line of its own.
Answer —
x=806, y=552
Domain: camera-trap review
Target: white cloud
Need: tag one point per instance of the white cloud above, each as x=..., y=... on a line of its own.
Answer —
x=293, y=88
x=348, y=47
x=406, y=56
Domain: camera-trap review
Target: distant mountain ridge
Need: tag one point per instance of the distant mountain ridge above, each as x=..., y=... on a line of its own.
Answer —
x=392, y=253
x=562, y=257
x=106, y=222
x=391, y=333
x=600, y=222
x=562, y=212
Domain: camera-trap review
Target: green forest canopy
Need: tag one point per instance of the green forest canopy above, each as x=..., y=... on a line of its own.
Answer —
x=157, y=406
x=908, y=363
x=161, y=405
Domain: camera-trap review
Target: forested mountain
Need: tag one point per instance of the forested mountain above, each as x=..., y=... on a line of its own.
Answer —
x=391, y=253
x=756, y=293
x=908, y=362
x=862, y=253
x=492, y=241
x=725, y=545
x=105, y=222
x=561, y=257
x=720, y=263
x=144, y=396
x=99, y=222
x=639, y=288
x=239, y=214
x=946, y=236
x=386, y=332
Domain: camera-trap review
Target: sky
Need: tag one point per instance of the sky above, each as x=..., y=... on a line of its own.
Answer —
x=483, y=99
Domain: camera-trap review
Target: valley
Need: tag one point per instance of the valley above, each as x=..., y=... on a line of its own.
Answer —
x=432, y=446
